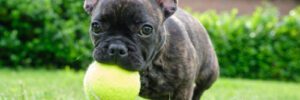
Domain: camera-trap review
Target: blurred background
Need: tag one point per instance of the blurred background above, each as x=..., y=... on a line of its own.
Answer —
x=244, y=6
x=45, y=43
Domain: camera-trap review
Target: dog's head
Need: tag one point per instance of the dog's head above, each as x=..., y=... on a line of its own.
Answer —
x=128, y=32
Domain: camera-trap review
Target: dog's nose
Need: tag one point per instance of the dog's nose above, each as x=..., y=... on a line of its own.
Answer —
x=117, y=50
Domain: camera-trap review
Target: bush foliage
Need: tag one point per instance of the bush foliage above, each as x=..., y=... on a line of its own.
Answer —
x=54, y=34
x=263, y=45
x=43, y=32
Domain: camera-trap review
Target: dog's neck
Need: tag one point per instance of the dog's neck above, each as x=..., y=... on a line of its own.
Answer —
x=159, y=49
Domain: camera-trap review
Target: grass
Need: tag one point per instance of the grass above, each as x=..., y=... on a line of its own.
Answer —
x=67, y=85
x=241, y=89
x=41, y=85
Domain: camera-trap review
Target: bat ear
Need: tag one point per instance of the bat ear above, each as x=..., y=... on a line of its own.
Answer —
x=168, y=7
x=89, y=5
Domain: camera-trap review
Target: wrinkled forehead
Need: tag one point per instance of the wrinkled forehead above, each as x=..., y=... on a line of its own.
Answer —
x=120, y=4
x=124, y=9
x=116, y=7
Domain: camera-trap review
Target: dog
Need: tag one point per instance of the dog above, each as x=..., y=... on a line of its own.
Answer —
x=171, y=50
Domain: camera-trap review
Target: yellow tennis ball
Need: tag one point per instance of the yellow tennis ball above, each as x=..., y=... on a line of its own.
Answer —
x=111, y=82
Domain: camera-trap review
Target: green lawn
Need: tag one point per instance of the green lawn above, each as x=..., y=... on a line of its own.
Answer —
x=67, y=85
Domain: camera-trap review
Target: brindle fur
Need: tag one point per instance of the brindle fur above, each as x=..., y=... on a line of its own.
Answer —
x=177, y=62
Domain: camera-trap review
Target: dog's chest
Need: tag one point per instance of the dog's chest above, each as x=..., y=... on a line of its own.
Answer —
x=158, y=82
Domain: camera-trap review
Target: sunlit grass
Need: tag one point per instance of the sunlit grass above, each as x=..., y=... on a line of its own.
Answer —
x=67, y=85
x=41, y=85
x=241, y=89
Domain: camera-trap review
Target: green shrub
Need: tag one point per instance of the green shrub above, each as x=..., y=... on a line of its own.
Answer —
x=53, y=34
x=44, y=32
x=263, y=45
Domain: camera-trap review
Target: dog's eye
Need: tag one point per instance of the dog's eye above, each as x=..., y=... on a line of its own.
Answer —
x=146, y=31
x=96, y=27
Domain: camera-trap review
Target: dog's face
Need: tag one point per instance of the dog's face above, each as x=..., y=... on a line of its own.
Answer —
x=127, y=32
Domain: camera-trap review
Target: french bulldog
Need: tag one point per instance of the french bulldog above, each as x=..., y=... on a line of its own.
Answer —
x=171, y=50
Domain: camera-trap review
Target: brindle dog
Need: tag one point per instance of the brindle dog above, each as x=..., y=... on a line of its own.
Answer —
x=171, y=50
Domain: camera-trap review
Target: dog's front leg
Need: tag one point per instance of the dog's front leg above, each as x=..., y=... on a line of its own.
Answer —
x=184, y=92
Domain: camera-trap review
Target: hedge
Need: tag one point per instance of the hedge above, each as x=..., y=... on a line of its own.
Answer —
x=263, y=45
x=44, y=33
x=54, y=34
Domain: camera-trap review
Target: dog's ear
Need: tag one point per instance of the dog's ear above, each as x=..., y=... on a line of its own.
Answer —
x=168, y=7
x=89, y=5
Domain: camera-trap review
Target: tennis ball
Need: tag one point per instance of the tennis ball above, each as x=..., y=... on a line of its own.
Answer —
x=111, y=82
